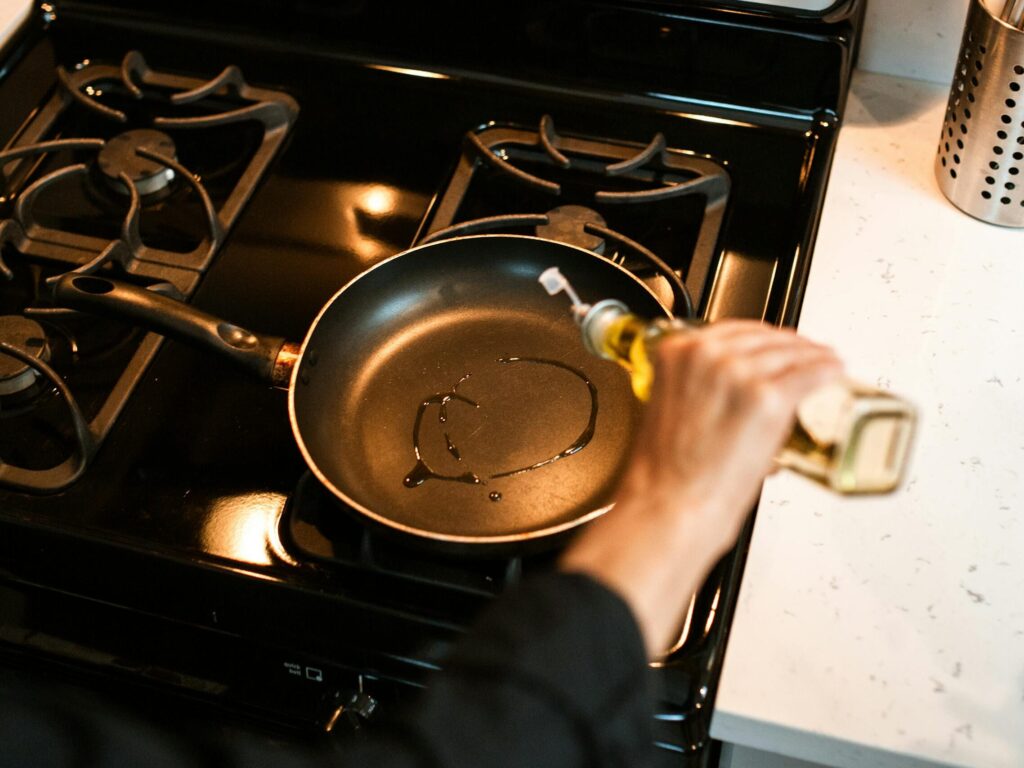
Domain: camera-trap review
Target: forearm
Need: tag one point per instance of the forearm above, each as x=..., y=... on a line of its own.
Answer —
x=722, y=405
x=653, y=554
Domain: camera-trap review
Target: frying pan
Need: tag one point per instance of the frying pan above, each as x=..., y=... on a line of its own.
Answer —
x=446, y=360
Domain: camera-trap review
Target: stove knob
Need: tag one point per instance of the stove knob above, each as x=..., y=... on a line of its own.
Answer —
x=356, y=709
x=362, y=705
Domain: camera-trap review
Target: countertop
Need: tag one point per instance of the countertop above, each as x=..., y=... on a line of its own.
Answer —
x=12, y=13
x=913, y=38
x=890, y=631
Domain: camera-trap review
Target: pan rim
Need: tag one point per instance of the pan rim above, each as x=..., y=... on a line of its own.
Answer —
x=421, y=533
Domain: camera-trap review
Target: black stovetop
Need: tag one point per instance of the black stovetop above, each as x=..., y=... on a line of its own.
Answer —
x=195, y=552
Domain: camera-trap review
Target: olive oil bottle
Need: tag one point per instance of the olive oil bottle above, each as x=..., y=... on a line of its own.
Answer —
x=849, y=437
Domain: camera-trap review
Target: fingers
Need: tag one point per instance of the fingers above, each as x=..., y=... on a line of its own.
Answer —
x=750, y=371
x=778, y=361
x=723, y=403
x=730, y=338
x=772, y=400
x=740, y=351
x=800, y=380
x=724, y=329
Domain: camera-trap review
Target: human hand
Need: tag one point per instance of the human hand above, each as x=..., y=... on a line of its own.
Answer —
x=723, y=404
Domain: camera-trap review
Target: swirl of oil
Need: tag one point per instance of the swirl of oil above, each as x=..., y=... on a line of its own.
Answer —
x=585, y=436
x=422, y=472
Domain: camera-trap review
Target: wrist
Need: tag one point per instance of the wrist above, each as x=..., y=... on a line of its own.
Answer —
x=683, y=512
x=654, y=552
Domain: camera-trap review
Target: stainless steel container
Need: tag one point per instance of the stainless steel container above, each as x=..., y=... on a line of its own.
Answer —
x=980, y=162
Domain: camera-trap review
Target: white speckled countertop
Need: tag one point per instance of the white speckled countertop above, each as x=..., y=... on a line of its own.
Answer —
x=12, y=13
x=890, y=632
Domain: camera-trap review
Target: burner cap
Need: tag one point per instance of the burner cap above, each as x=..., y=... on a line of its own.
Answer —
x=118, y=156
x=565, y=224
x=28, y=336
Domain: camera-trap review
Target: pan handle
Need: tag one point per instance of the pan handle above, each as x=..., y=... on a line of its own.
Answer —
x=257, y=354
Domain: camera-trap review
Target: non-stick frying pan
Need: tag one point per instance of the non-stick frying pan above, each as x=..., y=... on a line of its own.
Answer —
x=442, y=393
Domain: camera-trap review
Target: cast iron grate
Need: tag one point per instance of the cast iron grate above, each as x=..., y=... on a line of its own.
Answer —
x=125, y=169
x=669, y=201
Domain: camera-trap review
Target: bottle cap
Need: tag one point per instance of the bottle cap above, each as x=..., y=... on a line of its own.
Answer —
x=555, y=282
x=595, y=324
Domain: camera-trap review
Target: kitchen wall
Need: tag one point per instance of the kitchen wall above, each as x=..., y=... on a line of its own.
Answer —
x=913, y=38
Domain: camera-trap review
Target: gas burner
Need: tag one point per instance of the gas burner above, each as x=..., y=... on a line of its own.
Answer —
x=155, y=128
x=121, y=157
x=17, y=376
x=105, y=176
x=670, y=201
x=654, y=156
x=568, y=224
x=30, y=235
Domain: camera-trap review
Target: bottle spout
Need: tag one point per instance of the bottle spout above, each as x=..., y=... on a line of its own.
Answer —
x=555, y=282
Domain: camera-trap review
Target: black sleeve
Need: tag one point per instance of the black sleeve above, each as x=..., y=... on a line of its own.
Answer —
x=553, y=675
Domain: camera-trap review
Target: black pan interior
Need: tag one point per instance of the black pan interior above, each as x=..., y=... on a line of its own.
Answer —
x=397, y=342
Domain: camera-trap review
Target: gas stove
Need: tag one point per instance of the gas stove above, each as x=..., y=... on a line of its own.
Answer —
x=159, y=526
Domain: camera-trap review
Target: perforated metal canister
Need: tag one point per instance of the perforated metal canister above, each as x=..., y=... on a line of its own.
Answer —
x=980, y=162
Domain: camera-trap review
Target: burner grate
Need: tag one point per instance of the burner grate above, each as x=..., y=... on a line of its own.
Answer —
x=576, y=233
x=85, y=441
x=669, y=200
x=122, y=169
x=87, y=87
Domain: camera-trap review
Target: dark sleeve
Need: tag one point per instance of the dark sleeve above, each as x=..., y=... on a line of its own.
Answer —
x=553, y=675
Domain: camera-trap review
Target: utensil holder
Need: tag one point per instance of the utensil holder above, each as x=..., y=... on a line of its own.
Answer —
x=980, y=162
